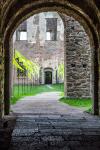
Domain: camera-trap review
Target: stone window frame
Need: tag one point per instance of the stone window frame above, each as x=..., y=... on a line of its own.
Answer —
x=55, y=33
x=22, y=28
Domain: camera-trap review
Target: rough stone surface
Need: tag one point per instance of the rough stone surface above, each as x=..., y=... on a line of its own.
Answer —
x=77, y=60
x=45, y=123
x=65, y=132
x=6, y=127
x=1, y=78
x=66, y=129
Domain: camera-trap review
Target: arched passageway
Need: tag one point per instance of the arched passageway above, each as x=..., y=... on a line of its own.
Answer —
x=14, y=12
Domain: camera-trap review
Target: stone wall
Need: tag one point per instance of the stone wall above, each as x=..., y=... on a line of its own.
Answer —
x=78, y=59
x=1, y=78
x=47, y=53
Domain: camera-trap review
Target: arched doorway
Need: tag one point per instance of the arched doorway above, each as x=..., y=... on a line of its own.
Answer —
x=48, y=75
x=13, y=17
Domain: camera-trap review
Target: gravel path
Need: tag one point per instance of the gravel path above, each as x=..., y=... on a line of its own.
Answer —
x=44, y=103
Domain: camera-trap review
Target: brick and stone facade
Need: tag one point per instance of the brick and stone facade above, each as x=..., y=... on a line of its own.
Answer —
x=73, y=49
x=47, y=53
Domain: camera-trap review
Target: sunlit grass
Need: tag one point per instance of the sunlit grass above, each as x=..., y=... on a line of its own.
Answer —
x=58, y=87
x=76, y=102
x=22, y=91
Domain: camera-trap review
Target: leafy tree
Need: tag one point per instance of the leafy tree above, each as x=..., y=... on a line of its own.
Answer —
x=31, y=67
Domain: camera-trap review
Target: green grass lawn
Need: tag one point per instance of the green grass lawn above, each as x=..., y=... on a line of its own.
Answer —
x=58, y=87
x=20, y=91
x=86, y=104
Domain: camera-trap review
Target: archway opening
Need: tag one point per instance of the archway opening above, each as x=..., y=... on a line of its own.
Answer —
x=74, y=62
x=50, y=131
x=78, y=17
x=33, y=44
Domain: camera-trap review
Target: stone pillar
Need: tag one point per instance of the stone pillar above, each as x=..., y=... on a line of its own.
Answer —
x=1, y=79
x=77, y=60
x=99, y=83
x=65, y=62
x=95, y=81
x=42, y=76
x=53, y=76
x=1, y=66
x=8, y=78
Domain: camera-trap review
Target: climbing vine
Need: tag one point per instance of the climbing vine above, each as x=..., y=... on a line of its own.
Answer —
x=31, y=67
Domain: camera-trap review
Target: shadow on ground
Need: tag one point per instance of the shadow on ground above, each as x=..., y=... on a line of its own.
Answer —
x=43, y=123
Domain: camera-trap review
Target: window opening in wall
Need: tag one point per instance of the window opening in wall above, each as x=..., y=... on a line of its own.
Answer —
x=23, y=35
x=48, y=36
x=51, y=29
x=21, y=32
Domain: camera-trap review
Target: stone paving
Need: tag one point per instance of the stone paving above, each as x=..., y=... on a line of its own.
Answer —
x=43, y=123
x=56, y=132
x=6, y=128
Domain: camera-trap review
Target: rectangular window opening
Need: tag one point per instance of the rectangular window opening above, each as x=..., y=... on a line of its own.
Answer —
x=23, y=36
x=51, y=29
x=21, y=32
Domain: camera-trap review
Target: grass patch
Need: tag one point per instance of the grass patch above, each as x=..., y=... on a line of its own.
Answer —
x=89, y=111
x=58, y=87
x=22, y=91
x=80, y=103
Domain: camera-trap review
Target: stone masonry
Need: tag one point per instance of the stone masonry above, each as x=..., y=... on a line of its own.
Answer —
x=78, y=60
x=47, y=53
x=1, y=78
x=55, y=132
x=1, y=67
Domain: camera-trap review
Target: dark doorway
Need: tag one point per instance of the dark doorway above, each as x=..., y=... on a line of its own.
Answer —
x=48, y=77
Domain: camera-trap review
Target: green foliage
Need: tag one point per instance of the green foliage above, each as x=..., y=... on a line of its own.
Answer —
x=61, y=70
x=89, y=110
x=58, y=87
x=33, y=90
x=31, y=67
x=85, y=103
x=15, y=63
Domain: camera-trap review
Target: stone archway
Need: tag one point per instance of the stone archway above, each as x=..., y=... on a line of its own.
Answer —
x=13, y=14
